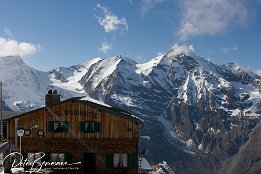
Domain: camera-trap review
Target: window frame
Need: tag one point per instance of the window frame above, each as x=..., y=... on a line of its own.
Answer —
x=130, y=162
x=120, y=160
x=52, y=126
x=96, y=126
x=35, y=156
x=59, y=156
x=68, y=156
x=89, y=127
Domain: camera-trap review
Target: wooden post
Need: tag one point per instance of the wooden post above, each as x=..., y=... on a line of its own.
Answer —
x=1, y=114
x=15, y=128
x=20, y=133
x=20, y=145
x=20, y=151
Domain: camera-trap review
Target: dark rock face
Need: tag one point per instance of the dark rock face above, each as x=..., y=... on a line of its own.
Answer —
x=247, y=160
x=217, y=132
x=180, y=161
x=58, y=75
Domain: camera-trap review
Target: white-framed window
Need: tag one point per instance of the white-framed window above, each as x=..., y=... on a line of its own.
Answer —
x=120, y=160
x=34, y=158
x=57, y=157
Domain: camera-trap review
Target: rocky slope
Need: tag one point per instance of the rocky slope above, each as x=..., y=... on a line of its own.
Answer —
x=202, y=108
x=198, y=114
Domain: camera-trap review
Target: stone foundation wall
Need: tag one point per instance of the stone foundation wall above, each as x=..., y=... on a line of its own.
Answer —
x=77, y=147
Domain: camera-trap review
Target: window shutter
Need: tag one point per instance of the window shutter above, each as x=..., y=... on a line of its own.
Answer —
x=82, y=126
x=132, y=161
x=46, y=158
x=65, y=126
x=97, y=126
x=50, y=126
x=69, y=158
x=109, y=160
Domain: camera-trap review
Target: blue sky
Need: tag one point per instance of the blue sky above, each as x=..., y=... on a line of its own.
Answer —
x=50, y=33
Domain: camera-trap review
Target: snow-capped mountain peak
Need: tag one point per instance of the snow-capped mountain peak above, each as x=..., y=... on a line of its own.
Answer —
x=180, y=50
x=147, y=67
x=167, y=59
x=99, y=71
x=9, y=60
x=21, y=83
x=181, y=94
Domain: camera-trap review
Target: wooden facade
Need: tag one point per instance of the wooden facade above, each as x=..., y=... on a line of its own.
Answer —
x=102, y=138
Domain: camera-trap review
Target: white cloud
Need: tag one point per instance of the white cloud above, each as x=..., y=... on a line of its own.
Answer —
x=191, y=48
x=8, y=32
x=210, y=16
x=258, y=72
x=181, y=49
x=13, y=48
x=105, y=47
x=228, y=50
x=109, y=21
x=147, y=5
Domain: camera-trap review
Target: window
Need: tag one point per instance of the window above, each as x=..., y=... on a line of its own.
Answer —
x=121, y=160
x=57, y=157
x=89, y=127
x=58, y=126
x=34, y=158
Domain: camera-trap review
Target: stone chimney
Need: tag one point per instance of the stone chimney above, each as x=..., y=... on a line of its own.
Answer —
x=52, y=97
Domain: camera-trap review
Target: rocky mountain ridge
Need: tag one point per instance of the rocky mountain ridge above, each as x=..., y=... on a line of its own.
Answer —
x=198, y=113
